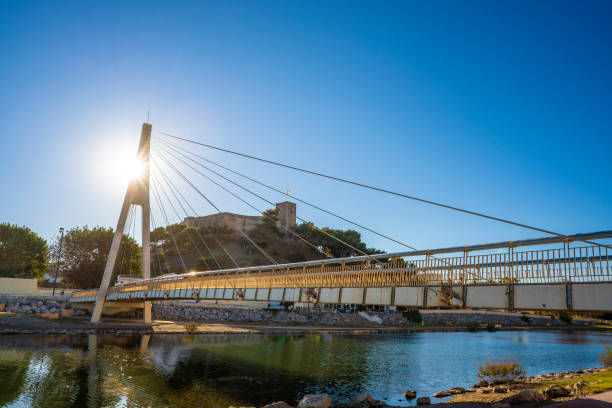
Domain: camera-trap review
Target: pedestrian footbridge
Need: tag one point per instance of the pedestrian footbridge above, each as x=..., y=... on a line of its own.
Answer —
x=554, y=273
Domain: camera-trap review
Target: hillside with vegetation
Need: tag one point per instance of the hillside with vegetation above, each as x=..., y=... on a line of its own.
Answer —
x=211, y=248
x=80, y=254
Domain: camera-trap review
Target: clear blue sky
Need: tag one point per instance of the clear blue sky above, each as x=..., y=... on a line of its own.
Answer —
x=501, y=107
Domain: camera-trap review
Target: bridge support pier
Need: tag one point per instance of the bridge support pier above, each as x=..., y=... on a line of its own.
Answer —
x=137, y=194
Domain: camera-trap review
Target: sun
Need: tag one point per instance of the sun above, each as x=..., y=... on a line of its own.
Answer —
x=116, y=166
x=135, y=168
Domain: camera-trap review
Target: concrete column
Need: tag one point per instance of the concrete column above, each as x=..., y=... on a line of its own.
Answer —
x=144, y=155
x=110, y=261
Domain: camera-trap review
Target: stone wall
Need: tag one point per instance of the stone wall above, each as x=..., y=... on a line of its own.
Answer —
x=198, y=312
x=237, y=222
x=463, y=317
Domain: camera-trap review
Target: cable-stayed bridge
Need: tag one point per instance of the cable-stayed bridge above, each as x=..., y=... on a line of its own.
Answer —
x=556, y=272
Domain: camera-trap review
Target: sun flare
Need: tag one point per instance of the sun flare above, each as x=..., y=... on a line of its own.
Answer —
x=118, y=166
x=135, y=168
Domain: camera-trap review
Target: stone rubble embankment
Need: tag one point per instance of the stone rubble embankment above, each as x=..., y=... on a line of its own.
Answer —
x=44, y=306
x=202, y=312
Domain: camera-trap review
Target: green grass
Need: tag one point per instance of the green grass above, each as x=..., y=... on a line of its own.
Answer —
x=601, y=382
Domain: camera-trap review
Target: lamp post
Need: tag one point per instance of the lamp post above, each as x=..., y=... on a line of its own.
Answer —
x=59, y=256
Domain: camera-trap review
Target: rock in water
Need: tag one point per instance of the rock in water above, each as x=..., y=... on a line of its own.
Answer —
x=456, y=390
x=441, y=394
x=556, y=391
x=423, y=401
x=410, y=394
x=364, y=398
x=315, y=401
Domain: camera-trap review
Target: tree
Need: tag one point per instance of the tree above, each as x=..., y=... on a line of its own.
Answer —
x=159, y=234
x=174, y=229
x=324, y=238
x=268, y=225
x=23, y=254
x=269, y=220
x=84, y=254
x=187, y=238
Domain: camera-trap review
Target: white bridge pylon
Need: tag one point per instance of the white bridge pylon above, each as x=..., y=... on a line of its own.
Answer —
x=137, y=194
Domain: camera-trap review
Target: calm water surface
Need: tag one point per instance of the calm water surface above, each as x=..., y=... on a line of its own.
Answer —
x=244, y=370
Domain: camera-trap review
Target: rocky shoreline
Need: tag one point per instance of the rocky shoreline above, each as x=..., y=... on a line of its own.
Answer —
x=47, y=315
x=532, y=391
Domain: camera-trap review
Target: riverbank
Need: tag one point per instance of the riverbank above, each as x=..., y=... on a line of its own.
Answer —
x=12, y=323
x=523, y=392
x=35, y=315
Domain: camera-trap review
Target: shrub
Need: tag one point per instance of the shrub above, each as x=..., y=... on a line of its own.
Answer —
x=413, y=315
x=565, y=317
x=502, y=370
x=191, y=326
x=605, y=358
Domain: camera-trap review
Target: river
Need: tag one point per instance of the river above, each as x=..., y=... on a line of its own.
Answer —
x=247, y=370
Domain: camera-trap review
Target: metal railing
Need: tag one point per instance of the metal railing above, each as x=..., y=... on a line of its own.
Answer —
x=415, y=268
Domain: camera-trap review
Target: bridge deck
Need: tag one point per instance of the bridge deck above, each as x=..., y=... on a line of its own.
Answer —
x=577, y=278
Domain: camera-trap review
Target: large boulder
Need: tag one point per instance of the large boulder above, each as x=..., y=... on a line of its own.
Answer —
x=423, y=401
x=365, y=400
x=315, y=401
x=526, y=397
x=531, y=396
x=556, y=391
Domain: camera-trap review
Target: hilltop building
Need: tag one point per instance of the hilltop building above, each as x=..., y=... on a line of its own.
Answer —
x=238, y=222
